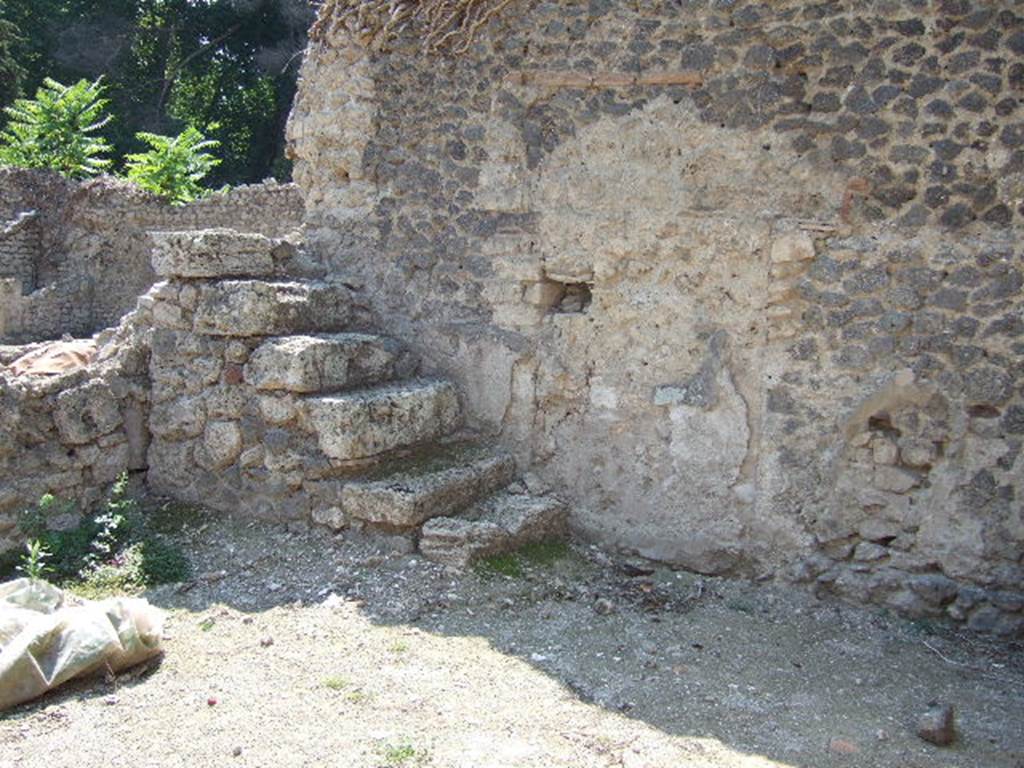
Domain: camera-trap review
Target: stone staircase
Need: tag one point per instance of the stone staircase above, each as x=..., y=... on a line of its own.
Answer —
x=266, y=400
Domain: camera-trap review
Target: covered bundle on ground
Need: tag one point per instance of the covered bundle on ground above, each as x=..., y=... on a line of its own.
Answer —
x=48, y=638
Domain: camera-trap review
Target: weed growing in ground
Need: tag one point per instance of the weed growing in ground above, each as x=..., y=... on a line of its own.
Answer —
x=33, y=562
x=335, y=683
x=398, y=646
x=402, y=754
x=111, y=550
x=507, y=564
x=539, y=554
x=544, y=553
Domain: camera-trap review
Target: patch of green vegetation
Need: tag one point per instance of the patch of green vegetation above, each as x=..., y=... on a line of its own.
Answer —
x=506, y=564
x=403, y=753
x=33, y=562
x=546, y=552
x=538, y=554
x=358, y=696
x=207, y=624
x=335, y=683
x=112, y=550
x=399, y=646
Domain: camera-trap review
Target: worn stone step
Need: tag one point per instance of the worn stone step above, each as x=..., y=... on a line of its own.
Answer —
x=327, y=363
x=501, y=523
x=412, y=495
x=370, y=422
x=268, y=308
x=217, y=252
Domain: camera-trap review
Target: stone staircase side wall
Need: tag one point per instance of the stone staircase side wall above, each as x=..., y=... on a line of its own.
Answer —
x=216, y=439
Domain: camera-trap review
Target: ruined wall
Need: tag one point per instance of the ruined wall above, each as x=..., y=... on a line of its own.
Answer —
x=229, y=374
x=87, y=249
x=20, y=246
x=741, y=280
x=72, y=434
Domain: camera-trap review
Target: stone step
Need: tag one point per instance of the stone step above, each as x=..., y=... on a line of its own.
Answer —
x=327, y=363
x=501, y=523
x=370, y=422
x=216, y=253
x=413, y=494
x=269, y=308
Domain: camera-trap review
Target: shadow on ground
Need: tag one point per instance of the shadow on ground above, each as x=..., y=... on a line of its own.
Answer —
x=565, y=658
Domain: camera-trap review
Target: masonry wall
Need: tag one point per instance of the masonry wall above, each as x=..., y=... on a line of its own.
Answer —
x=228, y=430
x=86, y=247
x=741, y=280
x=71, y=435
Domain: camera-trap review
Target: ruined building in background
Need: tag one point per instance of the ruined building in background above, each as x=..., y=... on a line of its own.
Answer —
x=740, y=283
x=74, y=256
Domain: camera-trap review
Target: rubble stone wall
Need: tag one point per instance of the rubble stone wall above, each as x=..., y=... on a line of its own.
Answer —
x=82, y=259
x=229, y=429
x=72, y=435
x=741, y=280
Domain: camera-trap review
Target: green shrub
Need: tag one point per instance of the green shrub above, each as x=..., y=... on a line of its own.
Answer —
x=111, y=550
x=174, y=166
x=57, y=129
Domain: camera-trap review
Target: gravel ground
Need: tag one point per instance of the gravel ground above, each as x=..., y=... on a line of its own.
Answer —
x=296, y=647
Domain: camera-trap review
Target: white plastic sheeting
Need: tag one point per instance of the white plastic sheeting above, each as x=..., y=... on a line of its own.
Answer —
x=45, y=640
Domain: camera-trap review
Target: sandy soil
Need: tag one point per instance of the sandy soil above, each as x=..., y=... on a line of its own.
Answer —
x=300, y=648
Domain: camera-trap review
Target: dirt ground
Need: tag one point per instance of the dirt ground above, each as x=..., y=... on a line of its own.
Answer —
x=301, y=648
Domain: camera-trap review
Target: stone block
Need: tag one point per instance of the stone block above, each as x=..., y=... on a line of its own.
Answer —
x=894, y=480
x=223, y=443
x=322, y=363
x=178, y=419
x=212, y=253
x=501, y=523
x=792, y=246
x=371, y=422
x=277, y=410
x=111, y=463
x=407, y=499
x=86, y=412
x=258, y=308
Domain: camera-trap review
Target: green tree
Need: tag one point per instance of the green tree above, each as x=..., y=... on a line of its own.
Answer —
x=12, y=73
x=174, y=166
x=58, y=129
x=169, y=64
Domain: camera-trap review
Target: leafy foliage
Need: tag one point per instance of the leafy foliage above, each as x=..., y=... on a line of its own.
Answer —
x=112, y=549
x=33, y=562
x=58, y=129
x=170, y=64
x=174, y=166
x=12, y=72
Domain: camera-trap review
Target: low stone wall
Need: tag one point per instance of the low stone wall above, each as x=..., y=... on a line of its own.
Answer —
x=84, y=258
x=71, y=435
